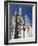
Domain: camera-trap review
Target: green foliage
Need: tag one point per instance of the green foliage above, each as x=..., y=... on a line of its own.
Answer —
x=19, y=20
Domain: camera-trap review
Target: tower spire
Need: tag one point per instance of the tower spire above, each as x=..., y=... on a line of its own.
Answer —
x=20, y=10
x=15, y=12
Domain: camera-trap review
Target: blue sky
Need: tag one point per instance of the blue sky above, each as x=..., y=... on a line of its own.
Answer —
x=25, y=10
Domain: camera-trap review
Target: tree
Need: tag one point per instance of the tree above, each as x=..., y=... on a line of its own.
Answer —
x=19, y=20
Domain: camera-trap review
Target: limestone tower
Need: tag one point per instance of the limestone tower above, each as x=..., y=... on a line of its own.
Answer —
x=27, y=26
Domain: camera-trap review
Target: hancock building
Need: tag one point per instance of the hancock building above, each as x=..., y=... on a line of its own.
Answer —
x=20, y=26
